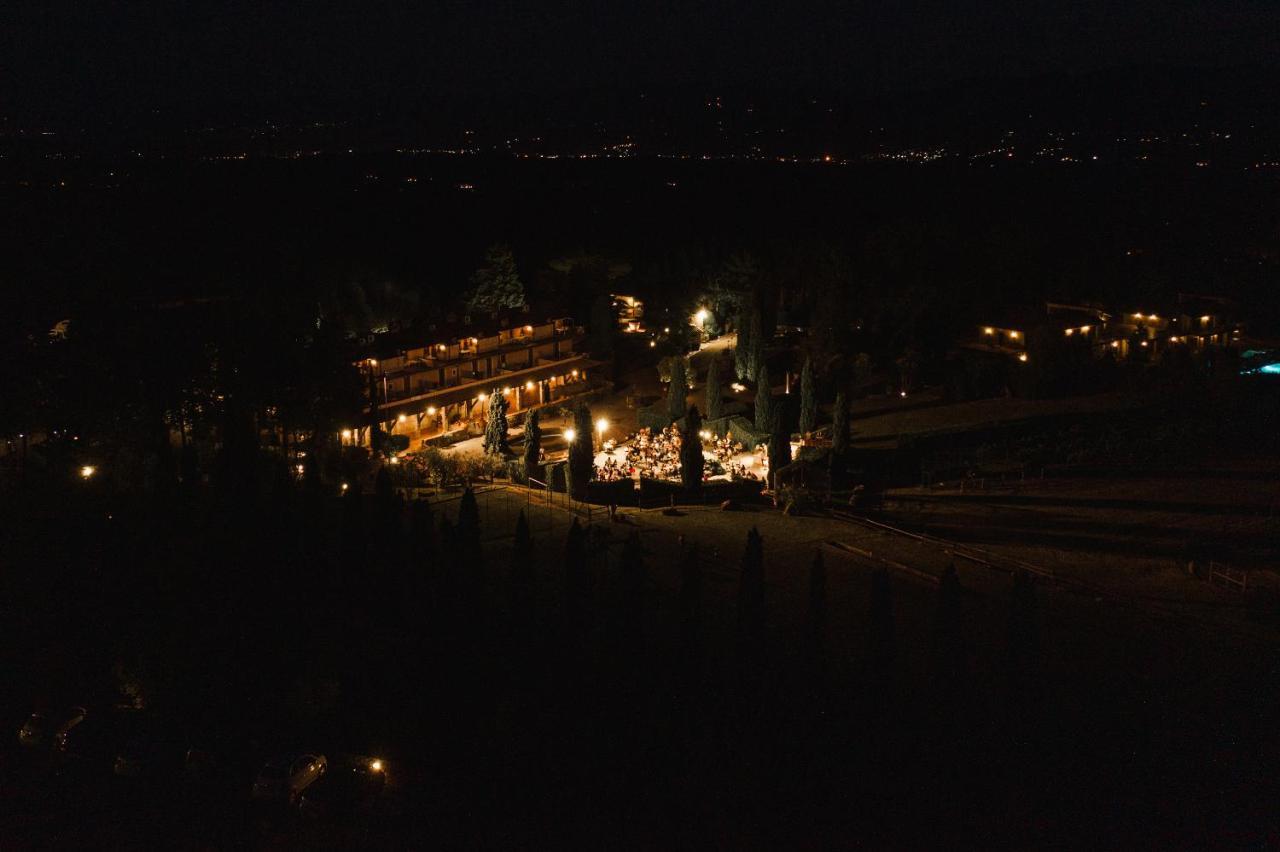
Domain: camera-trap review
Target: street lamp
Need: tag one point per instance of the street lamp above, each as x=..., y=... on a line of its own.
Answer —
x=346, y=434
x=601, y=425
x=87, y=471
x=701, y=316
x=570, y=434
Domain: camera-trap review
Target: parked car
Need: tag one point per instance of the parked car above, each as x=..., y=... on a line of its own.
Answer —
x=347, y=785
x=49, y=730
x=284, y=780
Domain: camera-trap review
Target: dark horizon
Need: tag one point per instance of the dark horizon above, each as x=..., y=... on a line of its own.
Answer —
x=66, y=64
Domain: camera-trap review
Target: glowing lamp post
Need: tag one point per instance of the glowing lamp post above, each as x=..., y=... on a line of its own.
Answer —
x=601, y=425
x=88, y=471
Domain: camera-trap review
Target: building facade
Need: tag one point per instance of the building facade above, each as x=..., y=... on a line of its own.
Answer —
x=428, y=388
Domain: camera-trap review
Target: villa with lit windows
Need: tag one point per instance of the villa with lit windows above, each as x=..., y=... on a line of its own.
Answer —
x=430, y=383
x=1193, y=323
x=630, y=311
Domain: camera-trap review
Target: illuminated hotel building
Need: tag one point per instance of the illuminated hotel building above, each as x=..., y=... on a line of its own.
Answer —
x=442, y=382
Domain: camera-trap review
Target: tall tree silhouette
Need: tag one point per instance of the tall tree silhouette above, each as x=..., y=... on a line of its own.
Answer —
x=677, y=390
x=496, y=284
x=691, y=601
x=581, y=454
x=808, y=399
x=714, y=392
x=631, y=576
x=742, y=352
x=779, y=448
x=840, y=424
x=470, y=552
x=522, y=572
x=576, y=577
x=532, y=444
x=691, y=460
x=764, y=400
x=496, y=427
x=751, y=594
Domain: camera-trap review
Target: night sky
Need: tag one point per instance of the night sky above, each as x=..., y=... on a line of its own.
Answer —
x=97, y=58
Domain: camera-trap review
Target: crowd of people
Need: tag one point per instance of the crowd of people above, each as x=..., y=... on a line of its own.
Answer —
x=656, y=455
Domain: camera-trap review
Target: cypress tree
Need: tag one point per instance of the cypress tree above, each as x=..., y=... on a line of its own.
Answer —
x=522, y=568
x=779, y=448
x=631, y=575
x=715, y=393
x=755, y=356
x=764, y=400
x=691, y=460
x=678, y=390
x=495, y=428
x=581, y=454
x=604, y=326
x=840, y=425
x=532, y=445
x=470, y=554
x=576, y=578
x=690, y=599
x=387, y=519
x=742, y=347
x=421, y=532
x=808, y=399
x=354, y=540
x=469, y=521
x=751, y=591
